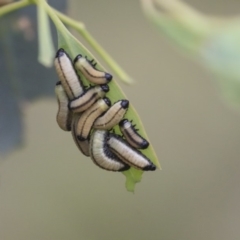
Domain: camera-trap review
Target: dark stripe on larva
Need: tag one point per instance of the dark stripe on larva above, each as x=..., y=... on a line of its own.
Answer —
x=84, y=104
x=88, y=117
x=88, y=98
x=83, y=146
x=112, y=117
x=82, y=130
x=70, y=80
x=70, y=89
x=64, y=116
x=102, y=156
x=131, y=135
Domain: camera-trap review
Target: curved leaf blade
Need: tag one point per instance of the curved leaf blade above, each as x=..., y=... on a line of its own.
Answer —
x=73, y=47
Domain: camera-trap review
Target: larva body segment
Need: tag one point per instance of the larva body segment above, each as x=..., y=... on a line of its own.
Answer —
x=128, y=154
x=88, y=98
x=64, y=116
x=67, y=75
x=113, y=116
x=102, y=156
x=86, y=119
x=83, y=145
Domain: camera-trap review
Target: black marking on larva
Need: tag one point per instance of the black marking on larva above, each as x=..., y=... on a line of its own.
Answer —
x=108, y=76
x=89, y=100
x=69, y=121
x=107, y=152
x=60, y=52
x=77, y=141
x=105, y=87
x=65, y=121
x=105, y=123
x=150, y=168
x=125, y=104
x=107, y=101
x=80, y=137
x=112, y=156
x=76, y=58
x=92, y=62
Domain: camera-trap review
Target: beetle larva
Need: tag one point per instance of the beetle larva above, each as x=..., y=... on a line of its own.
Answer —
x=90, y=72
x=113, y=116
x=86, y=119
x=131, y=135
x=128, y=154
x=88, y=98
x=67, y=75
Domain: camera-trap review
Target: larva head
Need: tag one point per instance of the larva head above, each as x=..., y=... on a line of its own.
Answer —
x=124, y=124
x=101, y=90
x=144, y=144
x=107, y=101
x=105, y=88
x=79, y=56
x=124, y=103
x=104, y=103
x=60, y=53
x=80, y=61
x=150, y=167
x=108, y=77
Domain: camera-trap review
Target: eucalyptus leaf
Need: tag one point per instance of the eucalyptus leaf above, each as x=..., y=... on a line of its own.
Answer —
x=213, y=40
x=73, y=47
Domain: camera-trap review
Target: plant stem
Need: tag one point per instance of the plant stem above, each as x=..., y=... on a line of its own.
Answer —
x=184, y=13
x=80, y=28
x=14, y=6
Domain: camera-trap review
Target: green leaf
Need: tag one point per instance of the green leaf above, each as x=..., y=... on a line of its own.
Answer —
x=73, y=47
x=221, y=55
x=213, y=40
x=46, y=47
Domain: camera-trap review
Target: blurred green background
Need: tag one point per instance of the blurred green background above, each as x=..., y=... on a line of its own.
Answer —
x=49, y=191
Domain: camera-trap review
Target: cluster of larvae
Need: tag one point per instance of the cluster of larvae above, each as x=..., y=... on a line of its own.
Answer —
x=89, y=115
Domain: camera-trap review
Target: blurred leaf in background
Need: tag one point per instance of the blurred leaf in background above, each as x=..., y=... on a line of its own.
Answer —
x=23, y=78
x=213, y=40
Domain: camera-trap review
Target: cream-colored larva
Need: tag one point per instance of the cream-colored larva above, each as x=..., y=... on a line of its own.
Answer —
x=64, y=116
x=88, y=98
x=86, y=119
x=67, y=75
x=101, y=155
x=128, y=154
x=82, y=145
x=113, y=116
x=88, y=69
x=131, y=135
